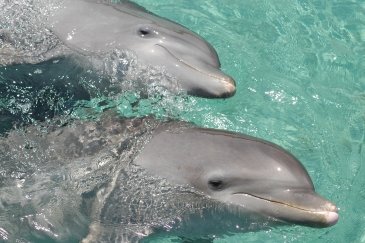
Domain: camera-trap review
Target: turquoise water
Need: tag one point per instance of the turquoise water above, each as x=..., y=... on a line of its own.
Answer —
x=300, y=72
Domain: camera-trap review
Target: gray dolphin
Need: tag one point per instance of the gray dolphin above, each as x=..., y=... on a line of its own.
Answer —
x=240, y=170
x=121, y=180
x=98, y=29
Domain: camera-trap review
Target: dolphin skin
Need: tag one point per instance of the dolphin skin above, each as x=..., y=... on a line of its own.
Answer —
x=120, y=180
x=111, y=37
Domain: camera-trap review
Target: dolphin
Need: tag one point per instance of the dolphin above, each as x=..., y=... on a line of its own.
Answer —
x=239, y=170
x=119, y=32
x=121, y=180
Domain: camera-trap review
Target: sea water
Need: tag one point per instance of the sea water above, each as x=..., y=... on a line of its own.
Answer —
x=300, y=72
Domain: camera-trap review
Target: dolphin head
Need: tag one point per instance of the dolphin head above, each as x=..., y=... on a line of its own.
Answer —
x=94, y=27
x=240, y=171
x=186, y=56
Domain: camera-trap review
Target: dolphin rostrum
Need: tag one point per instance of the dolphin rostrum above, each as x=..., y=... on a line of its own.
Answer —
x=122, y=179
x=110, y=37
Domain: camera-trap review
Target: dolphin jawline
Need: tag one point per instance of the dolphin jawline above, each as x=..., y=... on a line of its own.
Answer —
x=224, y=80
x=330, y=219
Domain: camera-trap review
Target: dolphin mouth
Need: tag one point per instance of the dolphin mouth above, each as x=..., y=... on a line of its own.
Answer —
x=324, y=216
x=224, y=80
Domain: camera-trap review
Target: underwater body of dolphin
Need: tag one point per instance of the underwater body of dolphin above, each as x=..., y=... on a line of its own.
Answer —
x=131, y=178
x=99, y=29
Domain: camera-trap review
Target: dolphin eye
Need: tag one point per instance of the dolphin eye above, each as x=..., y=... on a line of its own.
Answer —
x=145, y=32
x=216, y=185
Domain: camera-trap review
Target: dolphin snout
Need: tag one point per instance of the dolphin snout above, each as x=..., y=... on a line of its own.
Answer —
x=331, y=218
x=213, y=83
x=314, y=212
x=196, y=76
x=305, y=208
x=330, y=214
x=214, y=88
x=229, y=86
